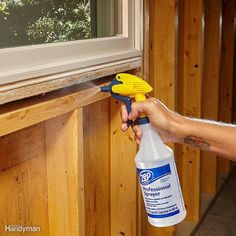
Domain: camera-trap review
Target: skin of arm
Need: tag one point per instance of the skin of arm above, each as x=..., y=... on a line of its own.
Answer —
x=172, y=127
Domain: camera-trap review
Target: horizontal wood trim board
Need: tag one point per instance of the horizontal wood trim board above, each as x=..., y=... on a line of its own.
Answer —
x=22, y=114
x=32, y=87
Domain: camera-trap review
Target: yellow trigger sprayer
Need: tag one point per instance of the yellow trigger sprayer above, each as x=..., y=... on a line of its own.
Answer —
x=155, y=162
x=125, y=86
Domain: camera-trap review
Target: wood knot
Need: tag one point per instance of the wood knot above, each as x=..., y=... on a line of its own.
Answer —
x=114, y=132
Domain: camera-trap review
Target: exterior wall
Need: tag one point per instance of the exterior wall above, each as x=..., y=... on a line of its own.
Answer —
x=66, y=166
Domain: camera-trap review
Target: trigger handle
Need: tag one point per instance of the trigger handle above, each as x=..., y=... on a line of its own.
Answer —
x=127, y=101
x=128, y=106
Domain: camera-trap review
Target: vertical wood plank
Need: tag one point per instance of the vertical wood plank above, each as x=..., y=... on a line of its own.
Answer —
x=14, y=148
x=62, y=174
x=189, y=97
x=162, y=65
x=146, y=32
x=210, y=90
x=234, y=86
x=162, y=50
x=97, y=168
x=23, y=195
x=81, y=174
x=226, y=70
x=123, y=177
x=145, y=75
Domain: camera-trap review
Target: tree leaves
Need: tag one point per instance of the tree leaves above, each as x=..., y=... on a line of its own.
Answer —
x=44, y=21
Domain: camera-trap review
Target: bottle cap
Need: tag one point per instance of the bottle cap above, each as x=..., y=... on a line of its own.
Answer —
x=143, y=120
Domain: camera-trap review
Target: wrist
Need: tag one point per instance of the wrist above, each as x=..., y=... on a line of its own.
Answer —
x=179, y=127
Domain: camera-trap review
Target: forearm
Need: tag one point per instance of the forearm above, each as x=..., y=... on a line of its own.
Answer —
x=206, y=135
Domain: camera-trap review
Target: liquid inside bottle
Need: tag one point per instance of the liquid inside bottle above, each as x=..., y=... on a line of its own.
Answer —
x=159, y=180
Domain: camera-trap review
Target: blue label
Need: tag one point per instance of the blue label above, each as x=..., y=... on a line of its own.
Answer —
x=148, y=176
x=161, y=194
x=164, y=215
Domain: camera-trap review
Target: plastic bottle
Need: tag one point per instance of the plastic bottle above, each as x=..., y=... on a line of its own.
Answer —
x=159, y=180
x=154, y=160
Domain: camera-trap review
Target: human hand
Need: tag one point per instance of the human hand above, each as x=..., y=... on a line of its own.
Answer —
x=160, y=117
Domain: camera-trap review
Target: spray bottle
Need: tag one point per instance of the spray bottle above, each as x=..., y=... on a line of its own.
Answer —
x=155, y=162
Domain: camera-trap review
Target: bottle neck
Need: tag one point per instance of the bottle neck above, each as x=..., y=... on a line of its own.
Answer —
x=150, y=132
x=143, y=120
x=152, y=142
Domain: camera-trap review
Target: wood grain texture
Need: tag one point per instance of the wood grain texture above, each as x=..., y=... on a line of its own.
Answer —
x=162, y=42
x=162, y=69
x=22, y=114
x=123, y=177
x=97, y=168
x=81, y=172
x=210, y=88
x=32, y=87
x=14, y=148
x=146, y=33
x=226, y=71
x=234, y=87
x=23, y=195
x=62, y=174
x=189, y=97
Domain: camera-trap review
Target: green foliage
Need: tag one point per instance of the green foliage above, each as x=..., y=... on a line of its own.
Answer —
x=68, y=22
x=3, y=7
x=25, y=22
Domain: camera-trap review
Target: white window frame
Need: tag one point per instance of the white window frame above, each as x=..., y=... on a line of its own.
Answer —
x=23, y=63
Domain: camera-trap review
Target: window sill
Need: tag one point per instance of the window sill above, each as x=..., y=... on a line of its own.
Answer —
x=39, y=85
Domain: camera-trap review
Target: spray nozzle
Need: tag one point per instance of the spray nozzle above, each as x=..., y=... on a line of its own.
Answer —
x=105, y=89
x=124, y=86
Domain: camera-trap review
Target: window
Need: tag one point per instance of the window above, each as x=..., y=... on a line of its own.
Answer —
x=25, y=22
x=41, y=37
